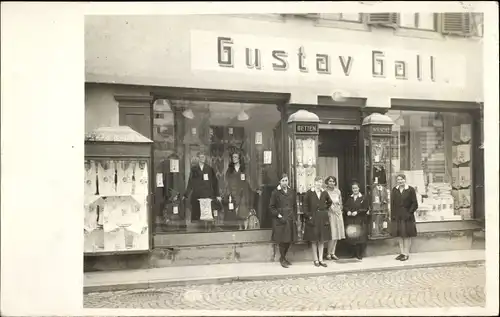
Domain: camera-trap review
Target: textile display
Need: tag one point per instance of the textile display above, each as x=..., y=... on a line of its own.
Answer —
x=455, y=177
x=454, y=155
x=90, y=187
x=465, y=132
x=106, y=178
x=464, y=199
x=124, y=176
x=301, y=179
x=455, y=134
x=299, y=152
x=140, y=185
x=206, y=209
x=464, y=176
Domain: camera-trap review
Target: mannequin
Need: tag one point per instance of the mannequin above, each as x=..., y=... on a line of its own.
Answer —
x=202, y=183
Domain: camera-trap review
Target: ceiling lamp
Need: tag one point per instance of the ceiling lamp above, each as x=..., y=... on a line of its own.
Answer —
x=243, y=116
x=188, y=113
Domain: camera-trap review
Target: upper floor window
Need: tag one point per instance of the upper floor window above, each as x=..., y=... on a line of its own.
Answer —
x=419, y=20
x=348, y=17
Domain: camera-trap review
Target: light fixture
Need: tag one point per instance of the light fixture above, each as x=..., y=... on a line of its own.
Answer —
x=243, y=116
x=188, y=113
x=400, y=121
x=340, y=95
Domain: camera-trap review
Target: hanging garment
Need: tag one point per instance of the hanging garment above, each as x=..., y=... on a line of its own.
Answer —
x=124, y=176
x=106, y=177
x=455, y=134
x=465, y=132
x=299, y=150
x=464, y=198
x=379, y=197
x=454, y=155
x=90, y=217
x=206, y=209
x=456, y=199
x=112, y=214
x=301, y=179
x=465, y=177
x=463, y=153
x=141, y=177
x=310, y=176
x=114, y=240
x=90, y=178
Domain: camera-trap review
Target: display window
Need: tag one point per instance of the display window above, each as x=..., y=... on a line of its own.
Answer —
x=433, y=150
x=215, y=165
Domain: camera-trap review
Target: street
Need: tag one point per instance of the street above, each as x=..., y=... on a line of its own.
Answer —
x=446, y=286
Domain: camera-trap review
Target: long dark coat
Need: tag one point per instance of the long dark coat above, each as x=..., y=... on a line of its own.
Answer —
x=361, y=205
x=201, y=188
x=317, y=226
x=241, y=194
x=403, y=207
x=284, y=204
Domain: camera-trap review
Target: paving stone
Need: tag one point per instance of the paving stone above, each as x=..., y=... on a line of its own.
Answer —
x=450, y=286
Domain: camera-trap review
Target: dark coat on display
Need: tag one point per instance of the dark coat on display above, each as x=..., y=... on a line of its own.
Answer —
x=238, y=187
x=284, y=204
x=203, y=184
x=361, y=206
x=317, y=226
x=403, y=207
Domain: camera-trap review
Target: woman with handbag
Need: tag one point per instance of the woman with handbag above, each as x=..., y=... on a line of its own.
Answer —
x=356, y=211
x=283, y=207
x=403, y=206
x=317, y=229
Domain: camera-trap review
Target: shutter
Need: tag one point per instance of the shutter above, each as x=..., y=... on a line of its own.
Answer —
x=456, y=23
x=385, y=18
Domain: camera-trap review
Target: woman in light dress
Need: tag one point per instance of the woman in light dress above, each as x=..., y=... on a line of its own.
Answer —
x=335, y=215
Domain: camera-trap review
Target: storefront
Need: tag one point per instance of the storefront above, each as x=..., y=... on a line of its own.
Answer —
x=215, y=122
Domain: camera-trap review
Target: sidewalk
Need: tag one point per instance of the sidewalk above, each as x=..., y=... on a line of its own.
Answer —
x=223, y=273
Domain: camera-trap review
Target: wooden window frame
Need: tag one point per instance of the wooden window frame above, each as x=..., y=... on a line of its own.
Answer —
x=417, y=22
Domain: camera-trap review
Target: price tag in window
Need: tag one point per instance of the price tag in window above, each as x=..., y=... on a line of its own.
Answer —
x=159, y=180
x=215, y=212
x=384, y=225
x=374, y=226
x=175, y=210
x=230, y=131
x=231, y=206
x=268, y=157
x=242, y=176
x=258, y=138
x=174, y=166
x=193, y=131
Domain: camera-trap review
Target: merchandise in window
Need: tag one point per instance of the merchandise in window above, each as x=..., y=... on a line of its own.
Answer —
x=215, y=165
x=433, y=150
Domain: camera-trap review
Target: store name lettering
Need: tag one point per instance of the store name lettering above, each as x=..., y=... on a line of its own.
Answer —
x=254, y=60
x=381, y=129
x=306, y=128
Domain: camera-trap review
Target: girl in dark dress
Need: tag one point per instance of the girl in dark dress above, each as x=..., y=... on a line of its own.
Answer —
x=356, y=211
x=317, y=230
x=283, y=207
x=403, y=206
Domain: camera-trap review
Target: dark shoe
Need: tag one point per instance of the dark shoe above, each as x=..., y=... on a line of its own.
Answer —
x=329, y=257
x=323, y=264
x=359, y=257
x=334, y=257
x=399, y=257
x=404, y=258
x=287, y=262
x=316, y=263
x=283, y=264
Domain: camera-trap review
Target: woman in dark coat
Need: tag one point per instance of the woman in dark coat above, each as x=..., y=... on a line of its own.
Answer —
x=403, y=206
x=283, y=207
x=317, y=229
x=356, y=211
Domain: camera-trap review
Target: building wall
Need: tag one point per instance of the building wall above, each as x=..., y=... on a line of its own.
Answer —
x=157, y=51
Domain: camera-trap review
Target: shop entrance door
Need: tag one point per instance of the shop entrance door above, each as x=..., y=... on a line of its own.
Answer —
x=339, y=156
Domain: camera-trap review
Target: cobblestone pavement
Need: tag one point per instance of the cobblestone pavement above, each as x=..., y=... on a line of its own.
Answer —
x=434, y=287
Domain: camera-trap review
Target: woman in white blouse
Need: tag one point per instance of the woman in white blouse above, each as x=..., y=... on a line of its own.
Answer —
x=335, y=216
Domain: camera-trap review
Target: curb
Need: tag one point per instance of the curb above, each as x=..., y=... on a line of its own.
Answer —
x=221, y=280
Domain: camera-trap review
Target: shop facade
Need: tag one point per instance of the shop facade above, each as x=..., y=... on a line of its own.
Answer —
x=202, y=115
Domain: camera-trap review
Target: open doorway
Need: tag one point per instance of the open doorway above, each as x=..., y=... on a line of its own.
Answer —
x=339, y=156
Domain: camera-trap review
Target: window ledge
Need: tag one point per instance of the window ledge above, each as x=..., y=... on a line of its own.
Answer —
x=354, y=26
x=422, y=34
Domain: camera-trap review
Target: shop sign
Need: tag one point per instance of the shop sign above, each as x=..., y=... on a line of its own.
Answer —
x=261, y=55
x=381, y=129
x=306, y=128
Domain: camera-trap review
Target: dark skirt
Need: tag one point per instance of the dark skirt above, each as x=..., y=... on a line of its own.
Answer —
x=403, y=228
x=318, y=228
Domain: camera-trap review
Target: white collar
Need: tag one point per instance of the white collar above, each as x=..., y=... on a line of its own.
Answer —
x=280, y=188
x=314, y=190
x=406, y=187
x=359, y=195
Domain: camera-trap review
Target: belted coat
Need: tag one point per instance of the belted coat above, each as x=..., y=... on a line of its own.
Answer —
x=283, y=207
x=315, y=208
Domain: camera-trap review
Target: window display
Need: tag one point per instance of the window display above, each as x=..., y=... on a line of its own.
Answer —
x=435, y=151
x=217, y=160
x=115, y=208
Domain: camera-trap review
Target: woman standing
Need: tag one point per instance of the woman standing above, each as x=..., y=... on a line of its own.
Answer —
x=335, y=216
x=317, y=230
x=283, y=207
x=356, y=210
x=403, y=206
